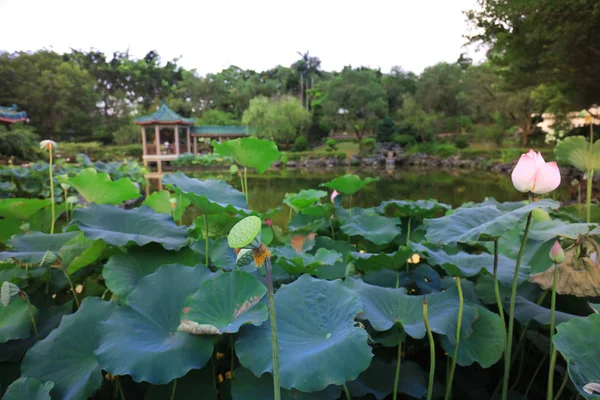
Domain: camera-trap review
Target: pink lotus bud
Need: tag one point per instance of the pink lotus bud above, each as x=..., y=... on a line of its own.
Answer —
x=533, y=174
x=268, y=222
x=557, y=255
x=334, y=195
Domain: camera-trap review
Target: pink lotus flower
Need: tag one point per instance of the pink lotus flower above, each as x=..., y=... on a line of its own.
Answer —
x=557, y=255
x=68, y=159
x=334, y=195
x=268, y=222
x=533, y=174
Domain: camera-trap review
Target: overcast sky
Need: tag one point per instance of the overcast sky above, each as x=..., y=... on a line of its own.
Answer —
x=252, y=34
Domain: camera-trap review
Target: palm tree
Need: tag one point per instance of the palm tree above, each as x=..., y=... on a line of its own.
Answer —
x=306, y=67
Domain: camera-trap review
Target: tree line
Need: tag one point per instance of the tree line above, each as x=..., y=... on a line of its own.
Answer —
x=531, y=69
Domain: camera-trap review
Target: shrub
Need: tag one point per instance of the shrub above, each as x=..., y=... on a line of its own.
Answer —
x=386, y=129
x=127, y=134
x=331, y=145
x=367, y=147
x=20, y=142
x=461, y=144
x=426, y=148
x=301, y=144
x=404, y=140
x=445, y=150
x=311, y=155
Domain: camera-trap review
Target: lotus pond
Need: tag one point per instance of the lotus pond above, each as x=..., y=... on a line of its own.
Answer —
x=367, y=293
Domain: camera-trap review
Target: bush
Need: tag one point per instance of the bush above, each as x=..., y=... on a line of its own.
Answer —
x=386, y=129
x=98, y=152
x=301, y=143
x=331, y=145
x=426, y=148
x=404, y=140
x=312, y=155
x=367, y=147
x=445, y=150
x=127, y=134
x=20, y=142
x=461, y=144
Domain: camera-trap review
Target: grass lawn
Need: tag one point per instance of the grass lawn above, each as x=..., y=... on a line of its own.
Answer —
x=350, y=148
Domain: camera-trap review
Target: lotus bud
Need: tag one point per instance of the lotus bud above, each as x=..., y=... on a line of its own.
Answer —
x=557, y=255
x=48, y=145
x=334, y=195
x=592, y=388
x=533, y=174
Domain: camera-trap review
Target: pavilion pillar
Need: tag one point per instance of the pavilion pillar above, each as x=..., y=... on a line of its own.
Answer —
x=144, y=145
x=176, y=140
x=188, y=140
x=195, y=145
x=157, y=139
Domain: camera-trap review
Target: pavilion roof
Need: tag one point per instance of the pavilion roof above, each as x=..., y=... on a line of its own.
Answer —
x=11, y=115
x=221, y=131
x=164, y=116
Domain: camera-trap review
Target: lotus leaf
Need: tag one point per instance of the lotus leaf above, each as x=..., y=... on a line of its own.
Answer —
x=575, y=151
x=32, y=247
x=28, y=389
x=294, y=262
x=15, y=322
x=349, y=184
x=249, y=152
x=98, y=188
x=303, y=199
x=417, y=209
x=377, y=229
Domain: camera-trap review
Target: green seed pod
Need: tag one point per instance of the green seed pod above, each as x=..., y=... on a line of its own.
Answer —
x=245, y=234
x=244, y=257
x=8, y=291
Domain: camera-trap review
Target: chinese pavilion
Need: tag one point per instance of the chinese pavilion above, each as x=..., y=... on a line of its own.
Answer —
x=10, y=115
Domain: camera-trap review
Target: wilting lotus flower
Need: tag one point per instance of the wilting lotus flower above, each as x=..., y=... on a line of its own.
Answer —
x=334, y=195
x=47, y=145
x=533, y=174
x=557, y=255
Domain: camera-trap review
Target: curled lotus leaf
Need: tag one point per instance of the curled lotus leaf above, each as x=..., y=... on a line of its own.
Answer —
x=304, y=198
x=98, y=188
x=579, y=274
x=349, y=184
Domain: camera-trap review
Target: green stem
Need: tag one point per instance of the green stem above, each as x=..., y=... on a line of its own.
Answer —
x=590, y=176
x=562, y=386
x=71, y=285
x=35, y=331
x=273, y=321
x=407, y=242
x=350, y=209
x=180, y=204
x=550, y=389
x=537, y=370
x=346, y=391
x=332, y=231
x=397, y=376
x=431, y=350
x=174, y=389
x=231, y=344
x=290, y=215
x=67, y=205
x=497, y=290
x=51, y=189
x=120, y=388
x=246, y=185
x=206, y=238
x=455, y=355
x=511, y=316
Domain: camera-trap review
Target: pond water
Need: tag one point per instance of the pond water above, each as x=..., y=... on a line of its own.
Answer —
x=453, y=187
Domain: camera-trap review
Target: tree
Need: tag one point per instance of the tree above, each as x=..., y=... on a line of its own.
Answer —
x=439, y=88
x=280, y=119
x=543, y=42
x=218, y=118
x=354, y=100
x=397, y=84
x=386, y=129
x=306, y=68
x=418, y=122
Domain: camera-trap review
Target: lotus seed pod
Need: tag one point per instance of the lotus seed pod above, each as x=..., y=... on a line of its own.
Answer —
x=245, y=234
x=8, y=291
x=244, y=257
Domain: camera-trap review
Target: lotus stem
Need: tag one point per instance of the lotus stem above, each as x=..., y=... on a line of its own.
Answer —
x=290, y=215
x=458, y=326
x=407, y=242
x=511, y=317
x=331, y=226
x=590, y=176
x=397, y=376
x=231, y=344
x=273, y=321
x=562, y=386
x=174, y=389
x=497, y=290
x=51, y=189
x=35, y=330
x=346, y=391
x=179, y=204
x=431, y=350
x=206, y=238
x=71, y=285
x=550, y=390
x=537, y=370
x=66, y=204
x=246, y=185
x=350, y=209
x=120, y=388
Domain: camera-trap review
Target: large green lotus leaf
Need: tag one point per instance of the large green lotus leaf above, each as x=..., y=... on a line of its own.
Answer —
x=122, y=272
x=198, y=383
x=348, y=184
x=218, y=224
x=577, y=341
x=15, y=322
x=366, y=262
x=319, y=344
x=209, y=196
x=294, y=262
x=304, y=198
x=21, y=209
x=32, y=247
x=146, y=329
x=140, y=225
x=246, y=386
x=161, y=203
x=302, y=223
x=377, y=229
x=249, y=152
x=484, y=345
x=384, y=307
x=28, y=389
x=80, y=252
x=468, y=265
x=98, y=188
x=13, y=273
x=337, y=270
x=417, y=209
x=224, y=304
x=575, y=151
x=547, y=230
x=66, y=356
x=344, y=215
x=319, y=210
x=378, y=380
x=467, y=225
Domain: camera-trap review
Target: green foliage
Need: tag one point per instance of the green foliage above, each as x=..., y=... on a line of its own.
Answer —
x=127, y=134
x=445, y=150
x=98, y=188
x=281, y=120
x=367, y=147
x=218, y=118
x=461, y=144
x=576, y=151
x=349, y=184
x=331, y=145
x=404, y=140
x=205, y=160
x=20, y=142
x=249, y=152
x=301, y=143
x=386, y=129
x=29, y=388
x=312, y=155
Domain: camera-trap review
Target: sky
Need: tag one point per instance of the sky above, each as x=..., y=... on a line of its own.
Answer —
x=252, y=34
